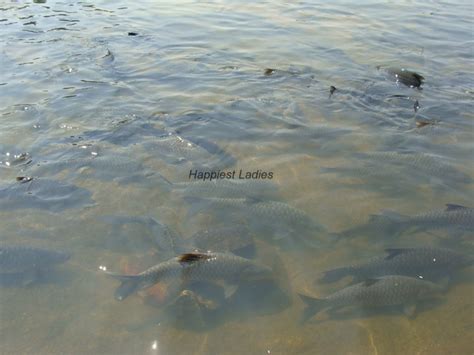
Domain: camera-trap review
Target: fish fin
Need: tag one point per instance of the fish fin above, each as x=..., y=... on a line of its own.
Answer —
x=370, y=282
x=30, y=277
x=164, y=179
x=190, y=258
x=393, y=252
x=230, y=290
x=453, y=207
x=335, y=274
x=409, y=310
x=313, y=306
x=126, y=288
x=130, y=284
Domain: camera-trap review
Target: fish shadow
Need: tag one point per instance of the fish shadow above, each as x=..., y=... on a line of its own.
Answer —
x=249, y=300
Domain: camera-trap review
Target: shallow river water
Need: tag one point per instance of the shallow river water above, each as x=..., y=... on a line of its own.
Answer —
x=108, y=107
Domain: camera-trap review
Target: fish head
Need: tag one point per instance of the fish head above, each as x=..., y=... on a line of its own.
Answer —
x=254, y=271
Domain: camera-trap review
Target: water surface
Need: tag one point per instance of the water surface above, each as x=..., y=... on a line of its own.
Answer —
x=155, y=89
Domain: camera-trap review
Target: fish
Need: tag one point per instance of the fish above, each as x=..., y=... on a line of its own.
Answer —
x=236, y=239
x=424, y=263
x=192, y=267
x=108, y=167
x=406, y=77
x=393, y=290
x=27, y=263
x=282, y=131
x=425, y=164
x=226, y=188
x=51, y=195
x=302, y=133
x=285, y=221
x=176, y=149
x=125, y=133
x=394, y=165
x=188, y=310
x=160, y=236
x=454, y=218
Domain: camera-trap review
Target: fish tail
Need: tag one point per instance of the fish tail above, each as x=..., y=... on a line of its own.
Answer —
x=335, y=274
x=129, y=285
x=313, y=306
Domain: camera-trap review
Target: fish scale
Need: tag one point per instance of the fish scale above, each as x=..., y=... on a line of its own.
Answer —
x=226, y=188
x=390, y=290
x=17, y=259
x=272, y=211
x=422, y=262
x=429, y=164
x=193, y=267
x=390, y=223
x=458, y=216
x=386, y=291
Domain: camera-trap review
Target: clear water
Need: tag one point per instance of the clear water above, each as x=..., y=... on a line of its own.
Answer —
x=71, y=74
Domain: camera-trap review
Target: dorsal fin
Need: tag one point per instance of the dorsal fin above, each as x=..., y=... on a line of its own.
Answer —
x=393, y=252
x=189, y=258
x=453, y=207
x=370, y=282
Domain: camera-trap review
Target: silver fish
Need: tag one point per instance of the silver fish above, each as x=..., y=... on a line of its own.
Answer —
x=453, y=218
x=425, y=263
x=176, y=149
x=16, y=258
x=383, y=291
x=47, y=194
x=394, y=166
x=235, y=239
x=25, y=264
x=159, y=235
x=282, y=219
x=126, y=133
x=424, y=164
x=226, y=188
x=192, y=267
x=106, y=167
